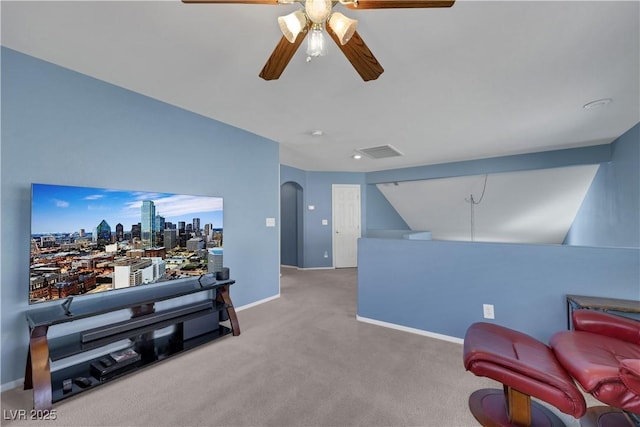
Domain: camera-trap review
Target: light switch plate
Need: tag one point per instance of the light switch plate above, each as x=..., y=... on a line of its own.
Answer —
x=487, y=311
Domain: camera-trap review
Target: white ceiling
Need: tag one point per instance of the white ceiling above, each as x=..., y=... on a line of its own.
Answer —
x=515, y=207
x=477, y=80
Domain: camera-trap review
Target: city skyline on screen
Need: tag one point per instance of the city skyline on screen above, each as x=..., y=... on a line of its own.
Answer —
x=68, y=209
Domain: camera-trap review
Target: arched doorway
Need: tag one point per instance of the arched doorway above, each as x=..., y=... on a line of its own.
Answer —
x=291, y=225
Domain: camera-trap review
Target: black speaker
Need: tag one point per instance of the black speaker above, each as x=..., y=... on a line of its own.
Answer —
x=223, y=274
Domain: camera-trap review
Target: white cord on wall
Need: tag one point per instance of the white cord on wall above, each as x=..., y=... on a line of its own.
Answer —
x=472, y=203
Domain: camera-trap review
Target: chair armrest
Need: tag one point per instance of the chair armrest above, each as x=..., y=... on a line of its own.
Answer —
x=599, y=322
x=630, y=374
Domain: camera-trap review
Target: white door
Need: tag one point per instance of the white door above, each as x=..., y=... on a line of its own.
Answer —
x=346, y=224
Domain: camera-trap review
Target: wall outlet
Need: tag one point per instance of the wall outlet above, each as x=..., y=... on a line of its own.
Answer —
x=487, y=310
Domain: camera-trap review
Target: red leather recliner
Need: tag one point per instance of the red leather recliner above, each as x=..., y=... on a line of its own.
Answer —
x=527, y=368
x=602, y=355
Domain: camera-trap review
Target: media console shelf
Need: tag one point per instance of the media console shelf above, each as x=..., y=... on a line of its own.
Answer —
x=149, y=335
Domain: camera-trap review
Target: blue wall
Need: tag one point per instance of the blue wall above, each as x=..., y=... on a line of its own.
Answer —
x=380, y=214
x=317, y=191
x=377, y=213
x=610, y=212
x=440, y=286
x=318, y=238
x=62, y=127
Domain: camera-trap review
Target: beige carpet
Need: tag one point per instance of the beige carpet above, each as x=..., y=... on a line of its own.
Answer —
x=301, y=360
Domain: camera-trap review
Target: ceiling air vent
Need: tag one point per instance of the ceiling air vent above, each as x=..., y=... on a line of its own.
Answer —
x=380, y=152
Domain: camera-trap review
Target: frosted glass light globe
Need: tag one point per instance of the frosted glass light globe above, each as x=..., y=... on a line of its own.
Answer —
x=318, y=10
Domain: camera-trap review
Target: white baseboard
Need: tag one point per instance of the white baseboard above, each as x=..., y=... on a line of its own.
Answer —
x=307, y=268
x=262, y=301
x=411, y=330
x=12, y=384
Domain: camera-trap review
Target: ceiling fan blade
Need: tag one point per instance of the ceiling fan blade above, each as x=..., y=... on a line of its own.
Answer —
x=359, y=55
x=281, y=56
x=398, y=4
x=233, y=1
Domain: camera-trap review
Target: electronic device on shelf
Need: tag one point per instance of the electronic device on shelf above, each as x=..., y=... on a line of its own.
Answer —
x=147, y=337
x=114, y=363
x=82, y=382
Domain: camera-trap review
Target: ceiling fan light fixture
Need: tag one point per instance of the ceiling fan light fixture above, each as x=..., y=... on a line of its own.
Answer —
x=318, y=10
x=315, y=44
x=343, y=27
x=292, y=24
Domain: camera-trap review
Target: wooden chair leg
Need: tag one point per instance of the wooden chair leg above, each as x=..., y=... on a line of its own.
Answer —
x=518, y=406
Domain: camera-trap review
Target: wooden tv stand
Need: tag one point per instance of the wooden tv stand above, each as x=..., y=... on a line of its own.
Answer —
x=154, y=333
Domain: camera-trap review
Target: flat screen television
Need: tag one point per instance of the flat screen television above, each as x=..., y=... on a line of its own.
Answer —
x=88, y=240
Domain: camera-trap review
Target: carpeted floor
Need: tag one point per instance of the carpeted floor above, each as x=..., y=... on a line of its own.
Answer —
x=301, y=360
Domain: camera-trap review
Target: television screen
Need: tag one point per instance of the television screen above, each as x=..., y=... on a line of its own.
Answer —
x=87, y=240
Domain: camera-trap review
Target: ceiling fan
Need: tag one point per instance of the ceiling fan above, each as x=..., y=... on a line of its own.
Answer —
x=318, y=15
